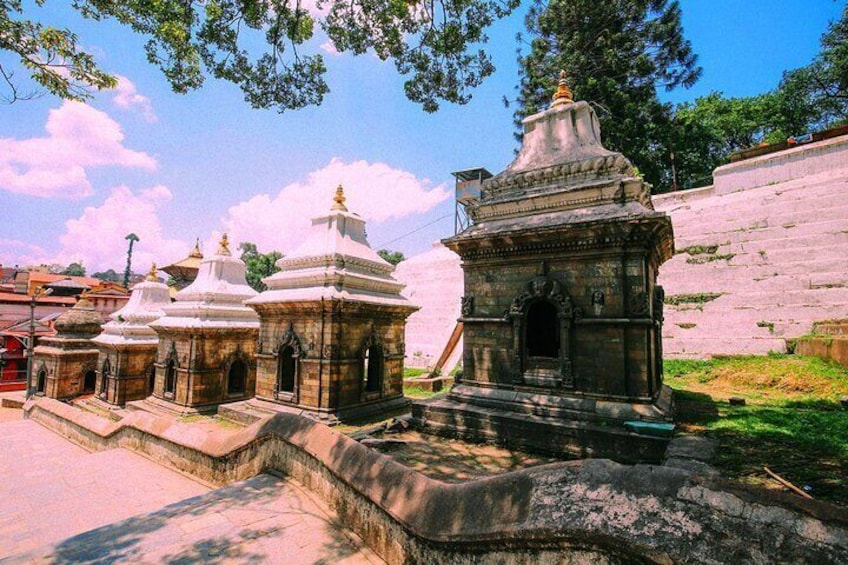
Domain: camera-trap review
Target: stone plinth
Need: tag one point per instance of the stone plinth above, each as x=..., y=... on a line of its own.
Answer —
x=561, y=312
x=128, y=345
x=332, y=325
x=207, y=338
x=65, y=365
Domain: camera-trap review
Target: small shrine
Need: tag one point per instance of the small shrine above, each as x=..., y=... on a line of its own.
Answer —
x=332, y=325
x=562, y=315
x=65, y=365
x=184, y=271
x=128, y=344
x=207, y=340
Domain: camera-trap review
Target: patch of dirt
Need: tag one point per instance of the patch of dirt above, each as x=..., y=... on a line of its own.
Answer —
x=453, y=461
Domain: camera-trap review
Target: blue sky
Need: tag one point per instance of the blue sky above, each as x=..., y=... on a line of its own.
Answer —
x=172, y=168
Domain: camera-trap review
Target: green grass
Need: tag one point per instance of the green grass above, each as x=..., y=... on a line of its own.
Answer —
x=700, y=298
x=409, y=372
x=792, y=423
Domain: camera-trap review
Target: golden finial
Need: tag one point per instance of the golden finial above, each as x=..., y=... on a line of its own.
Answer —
x=563, y=93
x=339, y=200
x=196, y=251
x=151, y=276
x=223, y=246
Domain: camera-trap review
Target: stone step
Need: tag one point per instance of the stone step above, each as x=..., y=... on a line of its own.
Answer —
x=699, y=348
x=816, y=266
x=755, y=217
x=800, y=194
x=729, y=280
x=811, y=233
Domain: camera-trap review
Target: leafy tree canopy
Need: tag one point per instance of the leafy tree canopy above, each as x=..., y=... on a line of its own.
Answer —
x=109, y=276
x=616, y=55
x=434, y=42
x=393, y=257
x=807, y=99
x=74, y=270
x=259, y=265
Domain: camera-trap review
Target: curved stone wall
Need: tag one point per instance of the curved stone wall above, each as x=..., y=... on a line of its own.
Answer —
x=582, y=511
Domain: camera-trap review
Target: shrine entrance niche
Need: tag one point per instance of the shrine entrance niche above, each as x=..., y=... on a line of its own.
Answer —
x=89, y=381
x=41, y=381
x=542, y=317
x=237, y=378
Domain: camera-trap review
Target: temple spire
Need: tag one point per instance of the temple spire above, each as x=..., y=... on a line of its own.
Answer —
x=196, y=251
x=223, y=246
x=339, y=200
x=563, y=93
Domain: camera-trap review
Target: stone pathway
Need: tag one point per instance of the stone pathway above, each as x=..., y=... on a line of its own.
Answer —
x=62, y=504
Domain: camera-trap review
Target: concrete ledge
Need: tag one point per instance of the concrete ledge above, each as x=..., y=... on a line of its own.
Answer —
x=823, y=157
x=584, y=511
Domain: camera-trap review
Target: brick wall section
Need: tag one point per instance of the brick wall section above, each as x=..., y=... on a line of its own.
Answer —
x=332, y=337
x=203, y=359
x=130, y=368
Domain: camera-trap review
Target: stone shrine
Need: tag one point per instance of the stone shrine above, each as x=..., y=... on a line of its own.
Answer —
x=562, y=315
x=128, y=344
x=332, y=325
x=207, y=340
x=65, y=365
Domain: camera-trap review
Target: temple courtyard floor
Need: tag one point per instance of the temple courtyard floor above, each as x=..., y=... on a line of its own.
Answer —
x=62, y=504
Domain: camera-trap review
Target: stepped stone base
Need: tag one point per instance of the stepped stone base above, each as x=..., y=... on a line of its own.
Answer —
x=829, y=341
x=255, y=409
x=563, y=426
x=160, y=407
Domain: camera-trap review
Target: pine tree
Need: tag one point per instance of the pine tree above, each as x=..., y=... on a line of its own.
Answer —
x=616, y=54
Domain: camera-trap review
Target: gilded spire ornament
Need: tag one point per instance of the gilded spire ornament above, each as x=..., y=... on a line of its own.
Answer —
x=196, y=251
x=339, y=200
x=223, y=246
x=563, y=93
x=151, y=276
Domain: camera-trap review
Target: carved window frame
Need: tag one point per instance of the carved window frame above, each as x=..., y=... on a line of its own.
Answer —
x=372, y=344
x=539, y=289
x=41, y=380
x=288, y=339
x=171, y=365
x=238, y=356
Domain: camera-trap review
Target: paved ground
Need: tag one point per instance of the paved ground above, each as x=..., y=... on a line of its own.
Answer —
x=62, y=504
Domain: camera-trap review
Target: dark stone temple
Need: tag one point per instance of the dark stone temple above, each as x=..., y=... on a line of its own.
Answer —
x=65, y=365
x=562, y=315
x=207, y=340
x=331, y=339
x=128, y=344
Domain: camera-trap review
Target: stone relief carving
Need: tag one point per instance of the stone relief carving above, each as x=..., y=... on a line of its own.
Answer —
x=330, y=351
x=659, y=302
x=467, y=306
x=639, y=304
x=289, y=338
x=545, y=288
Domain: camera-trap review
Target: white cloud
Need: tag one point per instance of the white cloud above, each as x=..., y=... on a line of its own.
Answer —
x=97, y=237
x=375, y=191
x=330, y=48
x=78, y=137
x=128, y=98
x=16, y=252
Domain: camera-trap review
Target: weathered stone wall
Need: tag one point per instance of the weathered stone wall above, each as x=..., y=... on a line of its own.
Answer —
x=203, y=359
x=761, y=255
x=130, y=368
x=625, y=282
x=332, y=345
x=575, y=512
x=66, y=370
